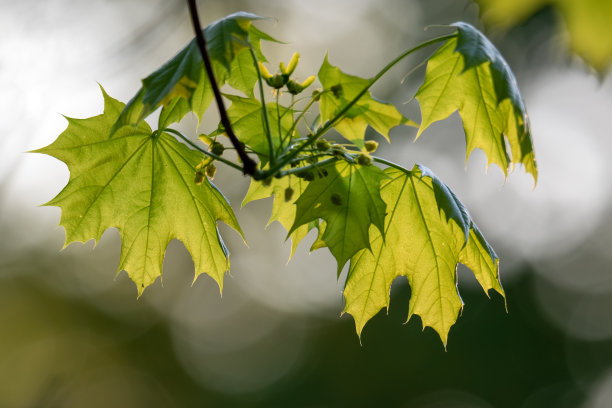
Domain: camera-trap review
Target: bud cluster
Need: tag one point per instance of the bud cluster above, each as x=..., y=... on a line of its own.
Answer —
x=279, y=80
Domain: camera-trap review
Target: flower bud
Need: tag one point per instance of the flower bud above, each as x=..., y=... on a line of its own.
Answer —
x=217, y=148
x=371, y=146
x=288, y=70
x=211, y=170
x=322, y=145
x=308, y=81
x=199, y=178
x=264, y=71
x=364, y=159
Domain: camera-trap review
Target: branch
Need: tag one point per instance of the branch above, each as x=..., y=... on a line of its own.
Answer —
x=249, y=165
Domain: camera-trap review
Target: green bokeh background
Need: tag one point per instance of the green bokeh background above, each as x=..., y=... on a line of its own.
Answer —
x=74, y=335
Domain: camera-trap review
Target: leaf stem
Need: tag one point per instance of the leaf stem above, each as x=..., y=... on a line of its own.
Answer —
x=264, y=112
x=249, y=166
x=390, y=164
x=330, y=123
x=309, y=167
x=206, y=152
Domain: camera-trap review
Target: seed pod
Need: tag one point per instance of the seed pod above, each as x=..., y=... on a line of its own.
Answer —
x=211, y=170
x=199, y=178
x=336, y=199
x=288, y=194
x=371, y=146
x=217, y=148
x=364, y=159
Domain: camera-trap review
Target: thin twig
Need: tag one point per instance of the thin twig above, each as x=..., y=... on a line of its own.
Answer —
x=249, y=165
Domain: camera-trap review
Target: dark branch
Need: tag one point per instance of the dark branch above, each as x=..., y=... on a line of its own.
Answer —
x=249, y=166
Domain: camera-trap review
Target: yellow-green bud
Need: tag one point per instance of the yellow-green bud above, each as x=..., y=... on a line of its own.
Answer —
x=322, y=145
x=211, y=170
x=217, y=148
x=308, y=81
x=264, y=71
x=295, y=88
x=338, y=150
x=199, y=178
x=207, y=140
x=205, y=161
x=288, y=70
x=364, y=159
x=277, y=81
x=371, y=146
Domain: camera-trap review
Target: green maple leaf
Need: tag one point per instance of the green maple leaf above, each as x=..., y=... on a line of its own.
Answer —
x=283, y=210
x=141, y=183
x=339, y=90
x=183, y=76
x=245, y=114
x=348, y=200
x=427, y=232
x=587, y=22
x=469, y=74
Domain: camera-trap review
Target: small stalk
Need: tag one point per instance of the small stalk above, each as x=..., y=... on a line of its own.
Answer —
x=206, y=152
x=264, y=112
x=309, y=167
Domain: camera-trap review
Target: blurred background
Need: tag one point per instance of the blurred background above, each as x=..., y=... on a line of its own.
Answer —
x=72, y=334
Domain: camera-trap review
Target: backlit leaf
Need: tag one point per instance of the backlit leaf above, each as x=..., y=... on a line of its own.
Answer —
x=283, y=211
x=340, y=89
x=468, y=74
x=349, y=201
x=248, y=124
x=141, y=183
x=184, y=77
x=425, y=237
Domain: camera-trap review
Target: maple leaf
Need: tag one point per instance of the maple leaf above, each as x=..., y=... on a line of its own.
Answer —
x=245, y=115
x=141, y=183
x=283, y=209
x=339, y=90
x=183, y=76
x=349, y=201
x=469, y=74
x=427, y=232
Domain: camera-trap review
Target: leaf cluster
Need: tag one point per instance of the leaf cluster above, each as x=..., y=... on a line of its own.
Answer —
x=384, y=220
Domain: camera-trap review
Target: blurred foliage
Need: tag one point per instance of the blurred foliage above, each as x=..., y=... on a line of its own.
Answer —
x=587, y=22
x=63, y=351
